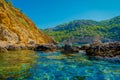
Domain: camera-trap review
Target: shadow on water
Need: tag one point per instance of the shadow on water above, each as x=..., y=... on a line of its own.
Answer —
x=16, y=64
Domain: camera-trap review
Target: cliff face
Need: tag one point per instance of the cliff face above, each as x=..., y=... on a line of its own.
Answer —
x=17, y=27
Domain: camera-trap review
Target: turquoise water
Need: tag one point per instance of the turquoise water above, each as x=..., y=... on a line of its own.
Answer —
x=72, y=67
x=30, y=65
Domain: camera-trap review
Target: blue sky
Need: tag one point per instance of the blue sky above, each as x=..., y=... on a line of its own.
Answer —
x=49, y=13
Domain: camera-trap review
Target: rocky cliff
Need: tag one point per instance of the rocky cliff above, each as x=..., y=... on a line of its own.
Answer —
x=16, y=27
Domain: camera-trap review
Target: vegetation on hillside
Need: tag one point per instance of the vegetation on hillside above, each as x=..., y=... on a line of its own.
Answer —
x=82, y=28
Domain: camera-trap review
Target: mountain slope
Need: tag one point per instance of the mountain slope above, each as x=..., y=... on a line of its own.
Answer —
x=17, y=27
x=86, y=28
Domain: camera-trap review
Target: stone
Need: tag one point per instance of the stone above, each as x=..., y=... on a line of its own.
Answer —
x=2, y=50
x=70, y=49
x=19, y=27
x=13, y=47
x=104, y=50
x=48, y=47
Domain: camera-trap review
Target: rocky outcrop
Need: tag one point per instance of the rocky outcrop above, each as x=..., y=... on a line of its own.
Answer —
x=70, y=49
x=7, y=35
x=67, y=49
x=12, y=46
x=47, y=48
x=104, y=50
x=16, y=27
x=9, y=46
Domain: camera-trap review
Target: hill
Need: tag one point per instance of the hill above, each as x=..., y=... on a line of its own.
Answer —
x=82, y=30
x=16, y=27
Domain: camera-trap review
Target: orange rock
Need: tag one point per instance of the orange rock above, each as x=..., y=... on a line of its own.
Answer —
x=17, y=27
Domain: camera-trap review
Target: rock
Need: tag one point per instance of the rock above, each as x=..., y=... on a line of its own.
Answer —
x=104, y=50
x=46, y=48
x=31, y=42
x=2, y=50
x=84, y=47
x=70, y=49
x=23, y=47
x=7, y=35
x=30, y=47
x=13, y=47
x=16, y=26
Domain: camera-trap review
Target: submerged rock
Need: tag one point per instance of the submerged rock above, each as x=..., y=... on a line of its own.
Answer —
x=109, y=59
x=2, y=50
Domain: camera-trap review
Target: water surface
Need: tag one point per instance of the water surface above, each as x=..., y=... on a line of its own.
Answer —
x=73, y=67
x=29, y=65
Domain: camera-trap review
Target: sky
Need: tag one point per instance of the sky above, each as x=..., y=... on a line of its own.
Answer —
x=49, y=13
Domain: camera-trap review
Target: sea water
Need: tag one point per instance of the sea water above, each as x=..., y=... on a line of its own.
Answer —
x=27, y=65
x=57, y=66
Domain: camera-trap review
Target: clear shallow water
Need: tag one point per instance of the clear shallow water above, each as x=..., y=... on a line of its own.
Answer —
x=15, y=65
x=27, y=65
x=76, y=67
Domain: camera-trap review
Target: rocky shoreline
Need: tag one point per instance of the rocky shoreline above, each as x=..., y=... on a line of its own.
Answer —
x=103, y=50
x=7, y=46
x=21, y=46
x=97, y=49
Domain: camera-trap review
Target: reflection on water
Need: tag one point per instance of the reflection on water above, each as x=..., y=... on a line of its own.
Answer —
x=26, y=65
x=16, y=64
x=76, y=67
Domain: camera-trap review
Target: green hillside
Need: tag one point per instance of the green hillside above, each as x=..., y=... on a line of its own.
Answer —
x=83, y=28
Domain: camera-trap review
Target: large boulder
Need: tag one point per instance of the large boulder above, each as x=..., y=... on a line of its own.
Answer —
x=70, y=49
x=49, y=47
x=104, y=50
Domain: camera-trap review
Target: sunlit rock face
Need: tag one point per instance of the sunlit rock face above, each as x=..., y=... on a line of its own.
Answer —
x=15, y=26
